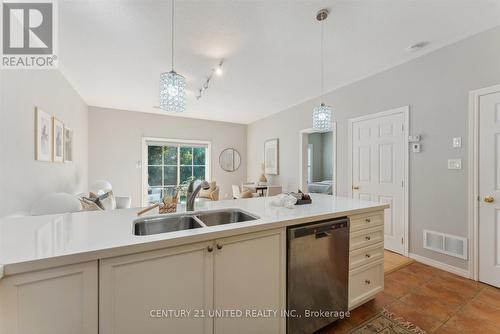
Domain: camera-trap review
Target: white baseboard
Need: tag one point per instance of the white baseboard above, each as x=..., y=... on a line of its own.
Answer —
x=440, y=265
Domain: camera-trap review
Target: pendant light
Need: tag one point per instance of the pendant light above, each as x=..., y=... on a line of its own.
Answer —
x=322, y=114
x=172, y=84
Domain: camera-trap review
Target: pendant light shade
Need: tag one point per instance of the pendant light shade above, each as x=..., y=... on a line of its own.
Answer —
x=172, y=84
x=172, y=92
x=322, y=114
x=322, y=117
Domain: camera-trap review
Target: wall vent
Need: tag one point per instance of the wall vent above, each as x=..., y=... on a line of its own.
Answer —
x=446, y=244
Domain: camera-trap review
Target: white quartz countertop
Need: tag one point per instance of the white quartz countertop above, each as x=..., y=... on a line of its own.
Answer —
x=34, y=243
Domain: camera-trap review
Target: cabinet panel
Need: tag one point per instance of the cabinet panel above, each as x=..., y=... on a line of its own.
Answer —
x=250, y=275
x=369, y=220
x=54, y=301
x=136, y=287
x=362, y=256
x=365, y=282
x=366, y=237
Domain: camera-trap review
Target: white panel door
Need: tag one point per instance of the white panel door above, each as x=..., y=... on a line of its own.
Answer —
x=489, y=189
x=378, y=169
x=250, y=275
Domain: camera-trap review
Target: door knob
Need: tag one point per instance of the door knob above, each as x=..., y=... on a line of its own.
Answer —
x=489, y=199
x=355, y=188
x=210, y=249
x=219, y=246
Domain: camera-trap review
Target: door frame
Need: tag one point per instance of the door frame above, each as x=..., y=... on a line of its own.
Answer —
x=473, y=179
x=334, y=156
x=405, y=111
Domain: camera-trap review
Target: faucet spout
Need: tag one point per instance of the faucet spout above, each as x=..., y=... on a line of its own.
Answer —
x=192, y=192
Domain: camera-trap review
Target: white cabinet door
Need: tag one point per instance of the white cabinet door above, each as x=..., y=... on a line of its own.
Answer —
x=137, y=290
x=489, y=189
x=55, y=301
x=365, y=282
x=250, y=275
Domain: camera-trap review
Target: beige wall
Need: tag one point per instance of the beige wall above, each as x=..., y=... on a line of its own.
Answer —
x=24, y=180
x=115, y=140
x=436, y=87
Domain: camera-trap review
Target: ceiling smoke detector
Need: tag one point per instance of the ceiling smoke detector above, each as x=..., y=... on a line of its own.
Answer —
x=417, y=46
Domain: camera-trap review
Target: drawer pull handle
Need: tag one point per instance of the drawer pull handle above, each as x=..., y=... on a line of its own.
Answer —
x=219, y=246
x=210, y=249
x=367, y=282
x=367, y=237
x=368, y=220
x=368, y=255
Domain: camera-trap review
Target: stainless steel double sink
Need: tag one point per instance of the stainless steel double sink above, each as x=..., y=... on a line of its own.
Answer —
x=188, y=221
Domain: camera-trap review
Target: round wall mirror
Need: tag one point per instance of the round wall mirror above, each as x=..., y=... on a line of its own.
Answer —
x=229, y=160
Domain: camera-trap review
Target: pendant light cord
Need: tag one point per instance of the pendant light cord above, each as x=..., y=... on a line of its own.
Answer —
x=173, y=1
x=322, y=64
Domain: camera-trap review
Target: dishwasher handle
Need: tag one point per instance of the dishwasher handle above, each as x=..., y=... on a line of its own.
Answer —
x=323, y=234
x=320, y=229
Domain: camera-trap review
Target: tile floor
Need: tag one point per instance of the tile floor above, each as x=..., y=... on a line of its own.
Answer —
x=434, y=300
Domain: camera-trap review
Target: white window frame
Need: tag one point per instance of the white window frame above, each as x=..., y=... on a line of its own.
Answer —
x=146, y=141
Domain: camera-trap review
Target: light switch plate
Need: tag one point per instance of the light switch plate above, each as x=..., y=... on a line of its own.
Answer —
x=454, y=163
x=414, y=139
x=457, y=142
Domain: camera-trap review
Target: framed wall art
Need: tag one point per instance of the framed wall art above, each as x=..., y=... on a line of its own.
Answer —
x=68, y=145
x=271, y=156
x=43, y=135
x=57, y=140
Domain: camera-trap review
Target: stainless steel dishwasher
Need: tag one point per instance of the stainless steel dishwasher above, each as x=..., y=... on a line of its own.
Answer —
x=317, y=274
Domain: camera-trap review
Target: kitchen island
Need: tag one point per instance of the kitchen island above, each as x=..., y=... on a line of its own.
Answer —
x=88, y=273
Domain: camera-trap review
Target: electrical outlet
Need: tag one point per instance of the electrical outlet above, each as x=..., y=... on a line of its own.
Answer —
x=454, y=163
x=457, y=142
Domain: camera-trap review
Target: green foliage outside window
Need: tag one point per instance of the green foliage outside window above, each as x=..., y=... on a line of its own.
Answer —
x=170, y=166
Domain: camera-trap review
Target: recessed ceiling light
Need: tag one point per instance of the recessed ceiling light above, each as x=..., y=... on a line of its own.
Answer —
x=417, y=46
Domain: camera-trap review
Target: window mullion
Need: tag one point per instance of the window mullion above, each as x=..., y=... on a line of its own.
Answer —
x=178, y=164
x=162, y=167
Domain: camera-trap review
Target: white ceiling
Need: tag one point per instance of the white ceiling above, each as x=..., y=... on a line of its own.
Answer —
x=113, y=51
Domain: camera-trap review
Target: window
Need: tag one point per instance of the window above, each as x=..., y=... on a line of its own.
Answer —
x=170, y=164
x=309, y=163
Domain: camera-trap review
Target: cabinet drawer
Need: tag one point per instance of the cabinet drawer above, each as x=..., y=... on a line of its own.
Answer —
x=366, y=237
x=365, y=282
x=363, y=256
x=368, y=220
